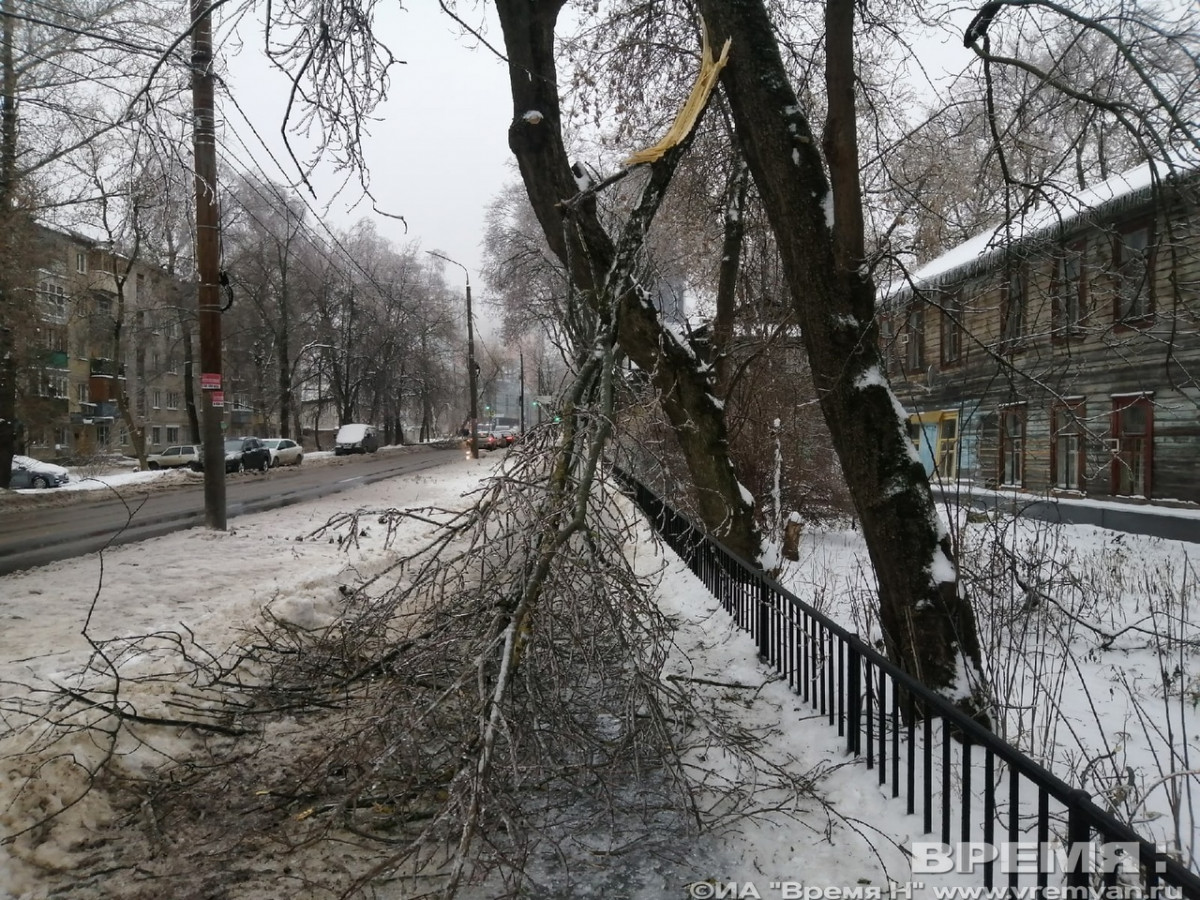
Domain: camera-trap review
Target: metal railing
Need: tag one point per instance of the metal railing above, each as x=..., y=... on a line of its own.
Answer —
x=983, y=790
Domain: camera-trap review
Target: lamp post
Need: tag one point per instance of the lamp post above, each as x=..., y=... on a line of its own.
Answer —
x=473, y=439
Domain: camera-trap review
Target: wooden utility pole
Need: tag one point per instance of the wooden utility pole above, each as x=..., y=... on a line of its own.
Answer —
x=8, y=177
x=208, y=267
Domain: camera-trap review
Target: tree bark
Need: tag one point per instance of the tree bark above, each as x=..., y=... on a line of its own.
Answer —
x=929, y=626
x=731, y=257
x=579, y=240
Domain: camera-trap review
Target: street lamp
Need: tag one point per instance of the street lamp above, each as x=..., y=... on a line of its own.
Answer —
x=473, y=439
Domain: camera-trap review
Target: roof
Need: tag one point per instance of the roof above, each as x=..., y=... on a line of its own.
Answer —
x=1060, y=214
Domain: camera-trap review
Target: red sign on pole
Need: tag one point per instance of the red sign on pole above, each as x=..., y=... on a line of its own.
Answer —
x=210, y=381
x=218, y=399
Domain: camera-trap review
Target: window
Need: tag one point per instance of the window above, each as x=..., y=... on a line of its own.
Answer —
x=123, y=437
x=887, y=339
x=156, y=398
x=172, y=362
x=172, y=401
x=1012, y=308
x=57, y=384
x=947, y=445
x=155, y=361
x=1132, y=445
x=54, y=302
x=80, y=261
x=1067, y=454
x=104, y=306
x=952, y=317
x=1069, y=291
x=172, y=434
x=156, y=435
x=139, y=287
x=914, y=335
x=1012, y=446
x=1134, y=264
x=81, y=393
x=102, y=435
x=936, y=434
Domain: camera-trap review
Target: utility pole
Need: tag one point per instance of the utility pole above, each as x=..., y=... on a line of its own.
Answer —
x=521, y=356
x=8, y=190
x=208, y=265
x=473, y=440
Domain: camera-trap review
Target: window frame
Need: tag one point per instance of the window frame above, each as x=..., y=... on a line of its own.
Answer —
x=1066, y=420
x=1062, y=325
x=914, y=348
x=1120, y=442
x=1012, y=337
x=951, y=350
x=1008, y=444
x=1123, y=316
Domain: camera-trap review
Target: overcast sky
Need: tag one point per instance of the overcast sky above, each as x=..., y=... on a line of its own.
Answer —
x=438, y=154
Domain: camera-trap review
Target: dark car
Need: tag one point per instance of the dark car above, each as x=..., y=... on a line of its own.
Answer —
x=241, y=454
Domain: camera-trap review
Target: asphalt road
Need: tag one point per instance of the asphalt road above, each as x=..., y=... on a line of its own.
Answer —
x=33, y=535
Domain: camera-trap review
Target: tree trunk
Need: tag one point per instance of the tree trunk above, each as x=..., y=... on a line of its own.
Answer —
x=731, y=257
x=929, y=626
x=582, y=244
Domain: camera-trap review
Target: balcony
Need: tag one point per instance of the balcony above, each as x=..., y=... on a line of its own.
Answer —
x=105, y=368
x=54, y=359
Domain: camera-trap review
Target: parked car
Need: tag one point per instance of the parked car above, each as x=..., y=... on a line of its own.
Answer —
x=506, y=433
x=284, y=452
x=241, y=454
x=28, y=472
x=489, y=440
x=173, y=457
x=356, y=438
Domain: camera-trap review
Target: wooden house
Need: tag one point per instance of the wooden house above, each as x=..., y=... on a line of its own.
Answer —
x=1060, y=353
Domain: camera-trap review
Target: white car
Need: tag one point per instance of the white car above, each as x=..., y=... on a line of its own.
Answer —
x=174, y=457
x=28, y=472
x=284, y=452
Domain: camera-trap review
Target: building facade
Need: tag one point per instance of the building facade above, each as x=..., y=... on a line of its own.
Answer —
x=81, y=369
x=1060, y=354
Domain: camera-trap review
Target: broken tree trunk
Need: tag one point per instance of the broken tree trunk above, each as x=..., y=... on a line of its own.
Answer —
x=575, y=234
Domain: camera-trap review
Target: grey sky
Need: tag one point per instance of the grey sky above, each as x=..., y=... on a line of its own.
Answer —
x=438, y=154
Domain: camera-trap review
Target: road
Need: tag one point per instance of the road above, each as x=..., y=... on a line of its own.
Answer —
x=39, y=535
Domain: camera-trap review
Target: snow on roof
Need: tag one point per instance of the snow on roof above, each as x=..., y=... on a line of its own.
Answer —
x=1059, y=213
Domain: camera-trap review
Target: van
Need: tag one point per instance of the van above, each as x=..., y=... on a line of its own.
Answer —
x=355, y=439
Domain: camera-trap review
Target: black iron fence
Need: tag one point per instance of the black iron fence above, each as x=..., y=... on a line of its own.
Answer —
x=981, y=792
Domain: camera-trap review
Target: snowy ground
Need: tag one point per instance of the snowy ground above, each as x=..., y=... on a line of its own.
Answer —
x=1113, y=704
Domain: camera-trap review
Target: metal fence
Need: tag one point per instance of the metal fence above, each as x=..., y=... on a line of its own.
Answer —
x=982, y=790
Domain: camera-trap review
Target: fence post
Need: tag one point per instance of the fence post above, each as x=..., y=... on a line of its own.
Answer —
x=764, y=619
x=1079, y=832
x=853, y=700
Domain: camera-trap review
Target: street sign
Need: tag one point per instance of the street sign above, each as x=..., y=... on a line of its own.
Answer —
x=210, y=381
x=218, y=399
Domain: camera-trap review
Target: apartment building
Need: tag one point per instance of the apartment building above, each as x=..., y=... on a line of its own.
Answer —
x=77, y=379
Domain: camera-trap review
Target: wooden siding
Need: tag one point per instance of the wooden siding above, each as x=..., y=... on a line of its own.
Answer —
x=1103, y=358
